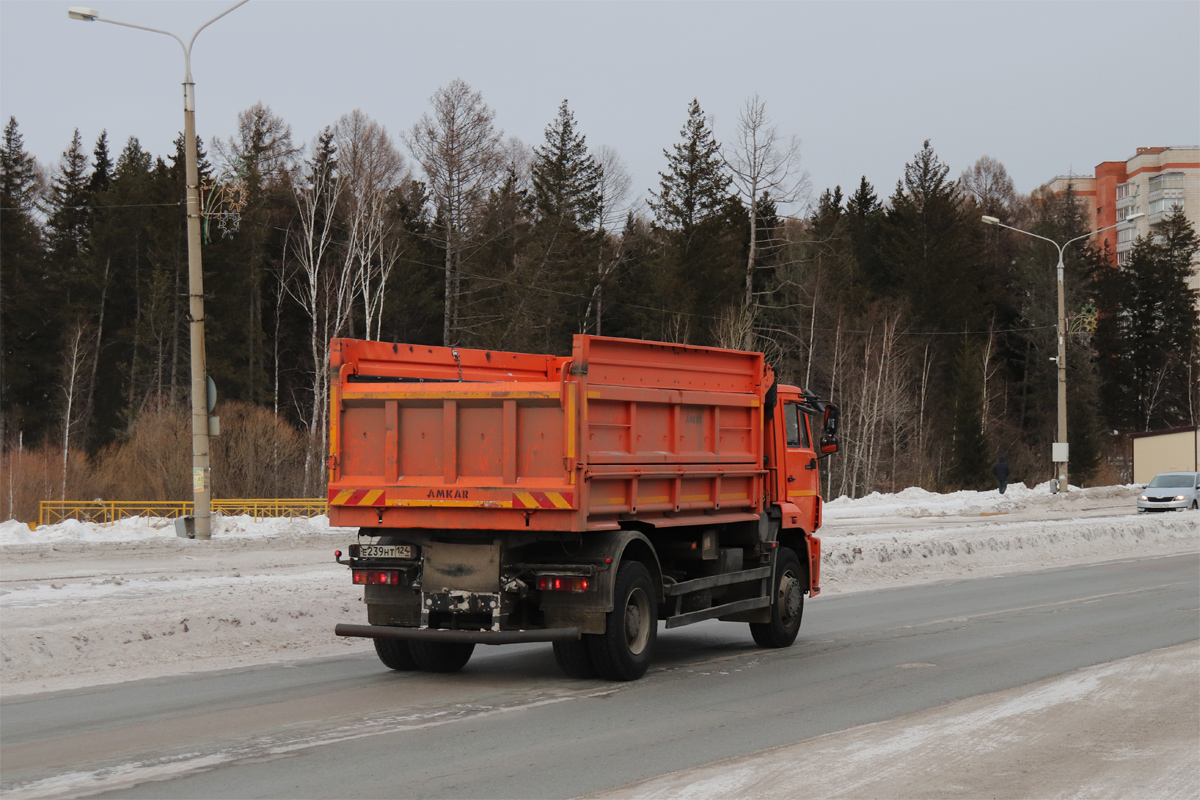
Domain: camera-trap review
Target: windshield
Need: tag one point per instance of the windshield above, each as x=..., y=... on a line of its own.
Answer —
x=1172, y=482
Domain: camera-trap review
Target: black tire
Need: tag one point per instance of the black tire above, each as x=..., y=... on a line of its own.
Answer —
x=441, y=656
x=575, y=659
x=395, y=654
x=787, y=606
x=624, y=650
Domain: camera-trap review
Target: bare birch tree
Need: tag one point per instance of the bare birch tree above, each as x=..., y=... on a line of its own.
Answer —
x=75, y=372
x=612, y=204
x=459, y=149
x=988, y=182
x=371, y=168
x=325, y=283
x=762, y=161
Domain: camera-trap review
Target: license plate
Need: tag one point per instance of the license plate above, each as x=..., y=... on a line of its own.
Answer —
x=386, y=551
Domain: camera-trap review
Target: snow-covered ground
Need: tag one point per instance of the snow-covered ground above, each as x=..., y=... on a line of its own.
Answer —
x=84, y=604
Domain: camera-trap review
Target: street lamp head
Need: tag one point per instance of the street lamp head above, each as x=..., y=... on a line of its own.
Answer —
x=1132, y=217
x=85, y=14
x=990, y=221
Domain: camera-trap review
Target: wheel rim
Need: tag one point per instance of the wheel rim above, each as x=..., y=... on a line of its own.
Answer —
x=637, y=621
x=790, y=598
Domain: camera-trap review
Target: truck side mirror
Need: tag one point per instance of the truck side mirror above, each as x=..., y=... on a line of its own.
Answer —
x=829, y=442
x=831, y=420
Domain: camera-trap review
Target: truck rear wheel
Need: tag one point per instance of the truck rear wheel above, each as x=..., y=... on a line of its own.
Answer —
x=395, y=654
x=787, y=603
x=575, y=658
x=441, y=656
x=623, y=651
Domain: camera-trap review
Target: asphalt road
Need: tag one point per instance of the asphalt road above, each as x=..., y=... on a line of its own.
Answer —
x=510, y=725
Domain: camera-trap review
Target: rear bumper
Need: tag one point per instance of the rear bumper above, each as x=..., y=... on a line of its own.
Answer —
x=460, y=637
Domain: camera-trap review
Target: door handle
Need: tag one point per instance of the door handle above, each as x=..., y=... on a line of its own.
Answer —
x=791, y=478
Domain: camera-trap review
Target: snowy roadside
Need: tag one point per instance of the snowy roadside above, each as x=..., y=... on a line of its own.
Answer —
x=915, y=536
x=1123, y=729
x=88, y=604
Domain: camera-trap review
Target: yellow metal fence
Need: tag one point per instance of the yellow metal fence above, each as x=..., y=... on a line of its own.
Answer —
x=105, y=511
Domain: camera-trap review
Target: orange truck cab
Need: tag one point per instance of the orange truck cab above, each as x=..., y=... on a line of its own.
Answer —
x=513, y=497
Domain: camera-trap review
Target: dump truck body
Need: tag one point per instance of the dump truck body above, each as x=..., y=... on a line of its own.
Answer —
x=498, y=495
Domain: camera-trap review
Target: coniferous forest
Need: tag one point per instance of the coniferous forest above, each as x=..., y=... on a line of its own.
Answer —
x=933, y=332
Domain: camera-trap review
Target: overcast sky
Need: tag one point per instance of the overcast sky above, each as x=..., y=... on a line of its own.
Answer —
x=1045, y=87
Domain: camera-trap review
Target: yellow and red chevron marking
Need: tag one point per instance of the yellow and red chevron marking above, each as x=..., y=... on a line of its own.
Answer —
x=357, y=497
x=542, y=499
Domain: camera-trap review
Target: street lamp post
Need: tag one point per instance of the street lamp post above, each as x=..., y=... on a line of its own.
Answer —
x=1061, y=450
x=201, y=470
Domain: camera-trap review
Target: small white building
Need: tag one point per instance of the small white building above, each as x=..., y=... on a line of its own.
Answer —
x=1174, y=450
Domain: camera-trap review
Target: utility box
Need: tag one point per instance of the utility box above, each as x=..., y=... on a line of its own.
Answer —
x=1173, y=450
x=185, y=527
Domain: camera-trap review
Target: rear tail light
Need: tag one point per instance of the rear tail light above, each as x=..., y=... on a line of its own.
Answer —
x=563, y=583
x=388, y=577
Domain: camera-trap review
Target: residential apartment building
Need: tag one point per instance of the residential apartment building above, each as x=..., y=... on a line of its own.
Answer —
x=1153, y=183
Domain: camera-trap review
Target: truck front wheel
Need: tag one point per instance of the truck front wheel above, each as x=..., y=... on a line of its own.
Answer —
x=395, y=654
x=623, y=651
x=787, y=603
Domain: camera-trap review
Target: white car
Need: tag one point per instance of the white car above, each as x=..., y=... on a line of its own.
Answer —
x=1171, y=491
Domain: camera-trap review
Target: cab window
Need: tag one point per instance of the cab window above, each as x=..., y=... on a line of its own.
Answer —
x=793, y=424
x=797, y=426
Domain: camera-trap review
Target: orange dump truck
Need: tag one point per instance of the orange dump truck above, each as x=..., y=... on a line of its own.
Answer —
x=511, y=497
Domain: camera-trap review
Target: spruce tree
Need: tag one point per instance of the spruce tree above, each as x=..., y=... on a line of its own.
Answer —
x=705, y=231
x=827, y=219
x=18, y=172
x=930, y=250
x=565, y=176
x=695, y=186
x=68, y=222
x=28, y=313
x=864, y=215
x=971, y=468
x=101, y=166
x=1148, y=332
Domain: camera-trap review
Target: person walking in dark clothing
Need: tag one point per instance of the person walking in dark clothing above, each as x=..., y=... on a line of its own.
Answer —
x=1001, y=473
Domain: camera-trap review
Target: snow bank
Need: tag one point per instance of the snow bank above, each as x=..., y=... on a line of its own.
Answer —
x=851, y=562
x=915, y=502
x=142, y=529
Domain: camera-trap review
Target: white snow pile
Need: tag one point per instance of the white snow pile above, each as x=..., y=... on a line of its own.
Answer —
x=917, y=503
x=84, y=603
x=146, y=529
x=915, y=535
